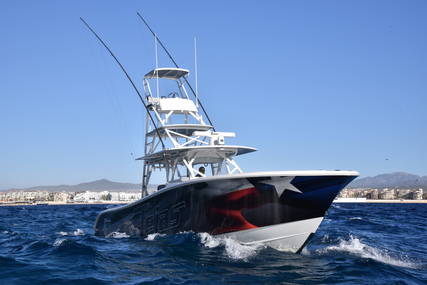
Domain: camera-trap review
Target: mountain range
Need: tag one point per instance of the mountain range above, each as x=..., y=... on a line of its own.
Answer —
x=98, y=185
x=394, y=179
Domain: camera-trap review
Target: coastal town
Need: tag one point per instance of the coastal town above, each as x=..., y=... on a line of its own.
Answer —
x=37, y=197
x=385, y=194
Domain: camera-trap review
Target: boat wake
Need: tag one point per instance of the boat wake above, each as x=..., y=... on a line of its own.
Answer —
x=118, y=235
x=233, y=249
x=153, y=236
x=228, y=247
x=357, y=248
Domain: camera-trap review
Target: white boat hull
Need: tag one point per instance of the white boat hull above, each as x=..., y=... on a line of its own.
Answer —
x=291, y=237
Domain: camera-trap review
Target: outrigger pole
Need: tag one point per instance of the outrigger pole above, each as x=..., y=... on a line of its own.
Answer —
x=142, y=100
x=176, y=65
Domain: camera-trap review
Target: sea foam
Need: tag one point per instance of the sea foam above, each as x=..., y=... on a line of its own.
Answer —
x=79, y=232
x=356, y=247
x=153, y=236
x=118, y=235
x=233, y=249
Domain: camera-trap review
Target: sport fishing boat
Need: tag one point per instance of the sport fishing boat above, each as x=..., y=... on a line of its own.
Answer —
x=205, y=190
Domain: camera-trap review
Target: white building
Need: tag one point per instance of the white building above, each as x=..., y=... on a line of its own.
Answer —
x=127, y=196
x=107, y=196
x=418, y=194
x=89, y=196
x=25, y=196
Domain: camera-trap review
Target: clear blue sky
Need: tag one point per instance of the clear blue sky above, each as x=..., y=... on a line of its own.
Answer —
x=310, y=84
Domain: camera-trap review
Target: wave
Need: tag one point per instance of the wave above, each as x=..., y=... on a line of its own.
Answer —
x=153, y=236
x=227, y=246
x=118, y=235
x=78, y=232
x=131, y=231
x=356, y=247
x=58, y=242
x=233, y=249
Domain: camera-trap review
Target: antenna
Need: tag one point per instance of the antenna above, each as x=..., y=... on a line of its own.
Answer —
x=195, y=63
x=157, y=64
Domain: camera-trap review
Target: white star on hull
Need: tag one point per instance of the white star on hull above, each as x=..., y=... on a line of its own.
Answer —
x=282, y=184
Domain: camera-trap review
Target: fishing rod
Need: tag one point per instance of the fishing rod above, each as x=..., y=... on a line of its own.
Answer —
x=176, y=65
x=136, y=89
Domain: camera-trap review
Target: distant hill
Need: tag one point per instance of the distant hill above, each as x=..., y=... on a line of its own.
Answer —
x=394, y=179
x=98, y=185
x=389, y=180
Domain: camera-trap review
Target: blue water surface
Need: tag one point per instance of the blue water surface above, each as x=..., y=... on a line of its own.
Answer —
x=355, y=244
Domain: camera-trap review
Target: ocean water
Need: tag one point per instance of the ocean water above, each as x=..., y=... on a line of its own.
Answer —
x=355, y=244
